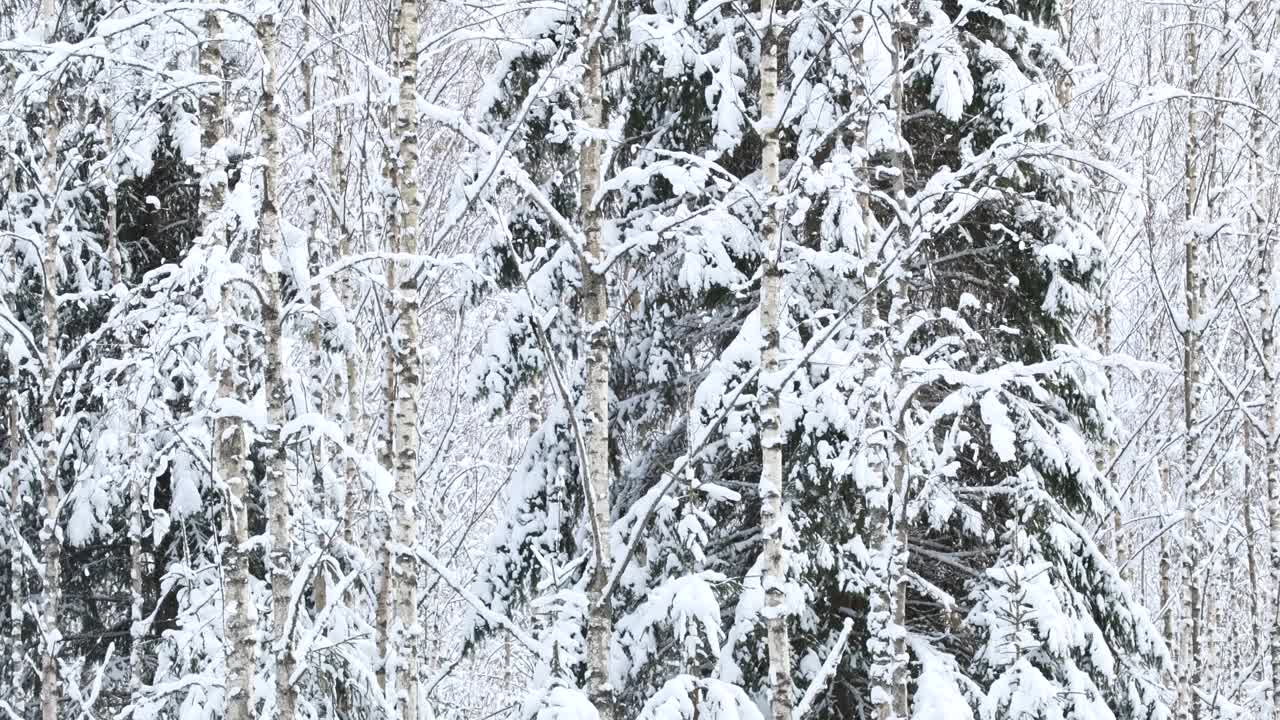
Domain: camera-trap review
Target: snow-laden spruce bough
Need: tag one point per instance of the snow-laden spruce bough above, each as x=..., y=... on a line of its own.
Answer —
x=939, y=482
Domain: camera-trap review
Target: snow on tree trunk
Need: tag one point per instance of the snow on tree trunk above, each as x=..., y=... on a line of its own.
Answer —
x=14, y=653
x=898, y=554
x=595, y=338
x=1168, y=612
x=772, y=519
x=229, y=443
x=348, y=288
x=351, y=416
x=51, y=531
x=318, y=396
x=384, y=535
x=1271, y=437
x=1108, y=457
x=406, y=633
x=1189, y=703
x=886, y=501
x=382, y=605
x=17, y=695
x=1265, y=281
x=272, y=263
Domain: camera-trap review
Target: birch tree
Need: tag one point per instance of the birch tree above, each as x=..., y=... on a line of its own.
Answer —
x=407, y=631
x=230, y=461
x=272, y=259
x=772, y=518
x=596, y=470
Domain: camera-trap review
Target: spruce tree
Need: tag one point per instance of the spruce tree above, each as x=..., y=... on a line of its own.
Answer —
x=941, y=421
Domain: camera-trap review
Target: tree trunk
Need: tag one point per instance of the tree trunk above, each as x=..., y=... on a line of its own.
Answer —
x=353, y=419
x=1189, y=705
x=772, y=520
x=1166, y=563
x=1266, y=284
x=595, y=316
x=382, y=607
x=17, y=564
x=230, y=461
x=1108, y=456
x=897, y=703
x=324, y=497
x=50, y=532
x=1271, y=441
x=900, y=689
x=17, y=697
x=407, y=631
x=386, y=440
x=272, y=266
x=1251, y=544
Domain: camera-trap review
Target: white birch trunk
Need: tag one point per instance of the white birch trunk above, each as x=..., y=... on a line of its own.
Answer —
x=351, y=364
x=772, y=521
x=386, y=440
x=17, y=697
x=899, y=686
x=348, y=289
x=1271, y=441
x=382, y=606
x=13, y=506
x=1168, y=612
x=324, y=497
x=407, y=631
x=351, y=419
x=271, y=265
x=1189, y=705
x=1266, y=286
x=14, y=492
x=882, y=609
x=1251, y=545
x=50, y=531
x=230, y=461
x=897, y=694
x=1108, y=457
x=594, y=319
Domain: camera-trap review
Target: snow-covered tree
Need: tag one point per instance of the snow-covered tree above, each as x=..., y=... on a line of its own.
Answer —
x=940, y=419
x=866, y=359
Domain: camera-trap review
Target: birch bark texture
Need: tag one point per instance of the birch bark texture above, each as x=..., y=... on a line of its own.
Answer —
x=271, y=267
x=594, y=320
x=15, y=494
x=229, y=445
x=406, y=632
x=17, y=582
x=897, y=550
x=1271, y=440
x=772, y=521
x=1189, y=705
x=1258, y=226
x=1267, y=289
x=50, y=533
x=50, y=530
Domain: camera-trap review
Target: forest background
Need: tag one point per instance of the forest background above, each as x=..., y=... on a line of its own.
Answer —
x=639, y=359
